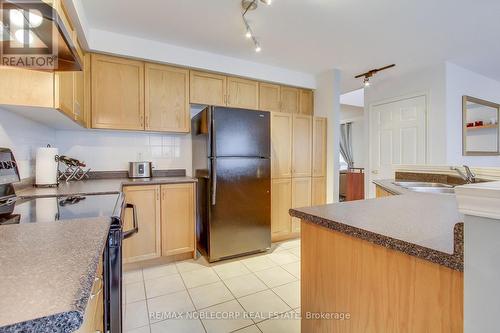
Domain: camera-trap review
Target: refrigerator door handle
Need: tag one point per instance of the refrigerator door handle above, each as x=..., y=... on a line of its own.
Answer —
x=214, y=181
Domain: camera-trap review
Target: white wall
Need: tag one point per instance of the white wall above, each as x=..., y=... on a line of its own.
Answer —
x=327, y=104
x=355, y=115
x=24, y=136
x=110, y=42
x=459, y=82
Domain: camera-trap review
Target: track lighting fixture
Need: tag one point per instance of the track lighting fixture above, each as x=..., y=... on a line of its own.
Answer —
x=249, y=5
x=366, y=76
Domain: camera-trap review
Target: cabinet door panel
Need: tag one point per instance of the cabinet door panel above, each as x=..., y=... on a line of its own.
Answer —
x=20, y=86
x=242, y=93
x=289, y=100
x=281, y=145
x=302, y=146
x=207, y=88
x=65, y=93
x=281, y=202
x=117, y=93
x=166, y=98
x=318, y=191
x=306, y=102
x=178, y=219
x=269, y=97
x=319, y=147
x=301, y=197
x=146, y=243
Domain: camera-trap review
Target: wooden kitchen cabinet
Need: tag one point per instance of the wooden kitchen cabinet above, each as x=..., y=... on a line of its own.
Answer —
x=178, y=219
x=242, y=93
x=281, y=145
x=117, y=93
x=302, y=146
x=318, y=191
x=306, y=102
x=281, y=202
x=301, y=197
x=290, y=99
x=145, y=244
x=319, y=147
x=269, y=97
x=207, y=88
x=166, y=98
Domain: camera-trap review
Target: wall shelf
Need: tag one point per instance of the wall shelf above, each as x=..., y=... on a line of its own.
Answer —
x=482, y=127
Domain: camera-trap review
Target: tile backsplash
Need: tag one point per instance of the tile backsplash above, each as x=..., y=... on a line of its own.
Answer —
x=100, y=150
x=112, y=150
x=24, y=136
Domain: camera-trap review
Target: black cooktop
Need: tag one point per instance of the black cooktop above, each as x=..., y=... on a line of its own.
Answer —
x=50, y=209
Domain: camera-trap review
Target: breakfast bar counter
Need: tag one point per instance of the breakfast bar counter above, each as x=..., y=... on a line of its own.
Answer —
x=391, y=264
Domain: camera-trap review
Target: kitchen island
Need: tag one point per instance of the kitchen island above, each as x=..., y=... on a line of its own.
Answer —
x=392, y=264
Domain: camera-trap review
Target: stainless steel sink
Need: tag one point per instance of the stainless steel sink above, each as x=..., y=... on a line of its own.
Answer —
x=426, y=187
x=422, y=184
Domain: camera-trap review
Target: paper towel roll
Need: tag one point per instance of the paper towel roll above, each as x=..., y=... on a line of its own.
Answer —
x=46, y=166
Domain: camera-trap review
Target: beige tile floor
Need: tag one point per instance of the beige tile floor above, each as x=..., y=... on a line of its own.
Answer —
x=259, y=293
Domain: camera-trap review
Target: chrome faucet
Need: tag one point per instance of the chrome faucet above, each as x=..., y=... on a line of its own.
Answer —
x=468, y=176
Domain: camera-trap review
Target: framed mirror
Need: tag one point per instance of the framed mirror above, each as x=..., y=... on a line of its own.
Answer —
x=481, y=135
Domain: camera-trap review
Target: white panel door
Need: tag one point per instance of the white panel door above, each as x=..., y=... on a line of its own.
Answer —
x=398, y=136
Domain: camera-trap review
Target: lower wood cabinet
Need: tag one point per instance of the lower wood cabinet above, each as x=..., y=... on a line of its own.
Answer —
x=166, y=220
x=281, y=202
x=177, y=219
x=380, y=192
x=301, y=197
x=318, y=191
x=146, y=244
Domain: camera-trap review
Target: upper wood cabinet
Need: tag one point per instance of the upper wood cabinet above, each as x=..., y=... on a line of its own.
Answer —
x=178, y=219
x=242, y=93
x=146, y=243
x=302, y=146
x=319, y=146
x=290, y=99
x=166, y=98
x=306, y=99
x=281, y=145
x=117, y=93
x=207, y=88
x=269, y=97
x=281, y=202
x=301, y=197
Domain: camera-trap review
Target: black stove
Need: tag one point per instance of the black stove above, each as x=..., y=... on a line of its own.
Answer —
x=50, y=209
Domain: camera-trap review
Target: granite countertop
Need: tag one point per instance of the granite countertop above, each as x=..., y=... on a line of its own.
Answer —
x=424, y=225
x=97, y=186
x=47, y=272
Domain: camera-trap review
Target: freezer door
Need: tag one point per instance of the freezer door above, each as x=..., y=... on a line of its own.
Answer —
x=238, y=132
x=240, y=207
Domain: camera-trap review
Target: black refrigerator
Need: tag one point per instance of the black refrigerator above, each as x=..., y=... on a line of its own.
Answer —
x=231, y=160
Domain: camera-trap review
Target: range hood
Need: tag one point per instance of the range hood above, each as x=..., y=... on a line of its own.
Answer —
x=46, y=37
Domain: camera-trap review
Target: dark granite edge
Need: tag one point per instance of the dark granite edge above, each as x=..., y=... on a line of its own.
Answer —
x=71, y=320
x=66, y=322
x=32, y=196
x=453, y=261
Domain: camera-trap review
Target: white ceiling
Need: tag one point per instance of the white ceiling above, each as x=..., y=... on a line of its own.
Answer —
x=315, y=35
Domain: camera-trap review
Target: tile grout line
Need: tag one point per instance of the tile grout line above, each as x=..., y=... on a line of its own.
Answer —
x=192, y=302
